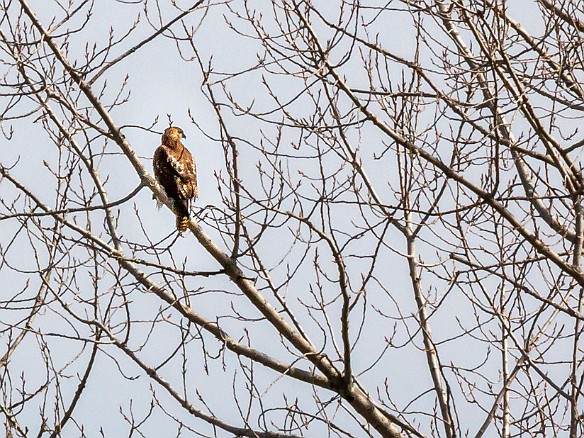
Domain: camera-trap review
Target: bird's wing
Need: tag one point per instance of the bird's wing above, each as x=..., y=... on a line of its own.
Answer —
x=185, y=167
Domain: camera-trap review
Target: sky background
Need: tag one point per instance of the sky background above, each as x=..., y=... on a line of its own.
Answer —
x=161, y=82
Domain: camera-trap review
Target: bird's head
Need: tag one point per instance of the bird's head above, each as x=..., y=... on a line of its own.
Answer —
x=172, y=135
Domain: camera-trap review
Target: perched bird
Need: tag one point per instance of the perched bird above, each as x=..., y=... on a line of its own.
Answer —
x=176, y=171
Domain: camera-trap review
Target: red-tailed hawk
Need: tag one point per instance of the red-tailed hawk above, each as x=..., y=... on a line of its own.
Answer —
x=176, y=171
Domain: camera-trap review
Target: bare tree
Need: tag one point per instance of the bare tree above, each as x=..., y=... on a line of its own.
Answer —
x=391, y=199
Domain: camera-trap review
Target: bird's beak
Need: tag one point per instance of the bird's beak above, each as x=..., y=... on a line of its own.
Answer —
x=184, y=135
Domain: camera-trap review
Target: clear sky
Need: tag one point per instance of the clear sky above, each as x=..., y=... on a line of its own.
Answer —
x=292, y=161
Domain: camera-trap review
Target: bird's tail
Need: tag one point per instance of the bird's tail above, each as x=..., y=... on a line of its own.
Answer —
x=182, y=216
x=182, y=223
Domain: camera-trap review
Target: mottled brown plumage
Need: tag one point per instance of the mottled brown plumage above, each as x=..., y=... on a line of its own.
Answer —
x=176, y=171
